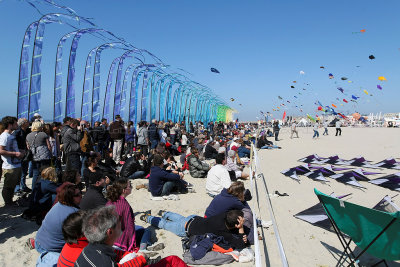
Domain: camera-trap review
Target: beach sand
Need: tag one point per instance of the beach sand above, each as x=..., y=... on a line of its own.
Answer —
x=304, y=244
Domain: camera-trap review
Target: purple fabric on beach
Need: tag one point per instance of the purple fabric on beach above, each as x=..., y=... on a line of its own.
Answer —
x=357, y=174
x=316, y=175
x=310, y=158
x=391, y=181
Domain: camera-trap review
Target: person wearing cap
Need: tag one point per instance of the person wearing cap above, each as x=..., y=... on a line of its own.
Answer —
x=94, y=197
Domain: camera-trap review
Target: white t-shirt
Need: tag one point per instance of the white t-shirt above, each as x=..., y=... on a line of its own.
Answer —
x=217, y=179
x=338, y=124
x=184, y=140
x=9, y=143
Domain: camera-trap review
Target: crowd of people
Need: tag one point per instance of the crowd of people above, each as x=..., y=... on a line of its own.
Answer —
x=81, y=178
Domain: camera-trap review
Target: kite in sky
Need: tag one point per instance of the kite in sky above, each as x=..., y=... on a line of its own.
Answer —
x=355, y=97
x=371, y=57
x=214, y=70
x=344, y=100
x=331, y=76
x=333, y=105
x=379, y=87
x=302, y=72
x=291, y=86
x=381, y=78
x=322, y=67
x=366, y=92
x=340, y=89
x=280, y=97
x=343, y=78
x=232, y=99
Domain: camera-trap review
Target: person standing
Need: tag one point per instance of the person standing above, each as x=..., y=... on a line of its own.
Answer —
x=276, y=130
x=11, y=156
x=20, y=135
x=143, y=138
x=325, y=128
x=316, y=133
x=38, y=142
x=338, y=125
x=71, y=138
x=117, y=134
x=153, y=134
x=293, y=129
x=130, y=139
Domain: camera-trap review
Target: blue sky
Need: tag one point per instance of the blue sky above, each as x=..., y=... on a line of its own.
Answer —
x=258, y=46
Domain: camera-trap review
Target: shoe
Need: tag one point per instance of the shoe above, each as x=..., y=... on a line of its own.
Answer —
x=161, y=212
x=30, y=243
x=153, y=261
x=27, y=190
x=281, y=194
x=140, y=186
x=191, y=190
x=148, y=254
x=19, y=193
x=156, y=247
x=189, y=185
x=145, y=215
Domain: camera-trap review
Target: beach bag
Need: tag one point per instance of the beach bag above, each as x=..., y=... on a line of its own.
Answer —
x=41, y=153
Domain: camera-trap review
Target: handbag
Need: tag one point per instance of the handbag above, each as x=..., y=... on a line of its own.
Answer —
x=29, y=154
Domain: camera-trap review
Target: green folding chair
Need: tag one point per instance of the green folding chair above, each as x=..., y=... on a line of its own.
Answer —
x=373, y=231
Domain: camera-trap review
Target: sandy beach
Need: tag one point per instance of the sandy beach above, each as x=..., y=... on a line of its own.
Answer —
x=304, y=244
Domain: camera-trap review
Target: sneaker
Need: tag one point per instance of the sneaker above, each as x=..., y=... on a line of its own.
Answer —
x=161, y=212
x=148, y=254
x=189, y=185
x=156, y=247
x=30, y=243
x=191, y=190
x=153, y=261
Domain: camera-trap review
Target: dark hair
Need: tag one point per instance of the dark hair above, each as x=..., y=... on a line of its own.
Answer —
x=91, y=159
x=194, y=150
x=158, y=160
x=69, y=176
x=48, y=129
x=115, y=190
x=220, y=158
x=237, y=189
x=7, y=120
x=66, y=195
x=231, y=218
x=66, y=119
x=72, y=227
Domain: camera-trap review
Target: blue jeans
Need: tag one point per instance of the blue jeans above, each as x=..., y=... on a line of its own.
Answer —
x=84, y=158
x=46, y=258
x=154, y=143
x=24, y=172
x=172, y=222
x=36, y=166
x=136, y=175
x=142, y=235
x=169, y=186
x=269, y=147
x=316, y=134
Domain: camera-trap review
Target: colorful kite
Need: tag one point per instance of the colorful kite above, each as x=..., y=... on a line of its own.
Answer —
x=340, y=89
x=355, y=97
x=379, y=87
x=344, y=100
x=311, y=118
x=330, y=76
x=365, y=91
x=333, y=105
x=232, y=99
x=381, y=78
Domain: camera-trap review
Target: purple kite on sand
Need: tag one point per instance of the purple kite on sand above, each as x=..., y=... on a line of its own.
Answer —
x=358, y=162
x=331, y=160
x=391, y=181
x=389, y=163
x=310, y=158
x=316, y=175
x=358, y=174
x=327, y=171
x=292, y=172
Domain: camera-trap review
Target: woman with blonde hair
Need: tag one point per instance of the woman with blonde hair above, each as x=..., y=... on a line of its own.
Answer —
x=38, y=142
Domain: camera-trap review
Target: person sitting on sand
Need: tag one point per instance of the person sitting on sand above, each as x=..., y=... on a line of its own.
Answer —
x=43, y=195
x=94, y=194
x=263, y=143
x=243, y=151
x=232, y=166
x=163, y=182
x=229, y=225
x=210, y=151
x=218, y=177
x=197, y=168
x=131, y=234
x=102, y=227
x=49, y=238
x=132, y=169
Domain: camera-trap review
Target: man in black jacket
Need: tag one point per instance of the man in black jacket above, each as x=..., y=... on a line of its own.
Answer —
x=117, y=135
x=210, y=152
x=132, y=169
x=20, y=135
x=94, y=197
x=229, y=224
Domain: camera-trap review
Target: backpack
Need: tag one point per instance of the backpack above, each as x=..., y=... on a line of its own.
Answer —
x=186, y=165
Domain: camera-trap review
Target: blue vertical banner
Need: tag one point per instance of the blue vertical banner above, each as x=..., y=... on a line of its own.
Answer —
x=107, y=94
x=58, y=110
x=124, y=90
x=86, y=91
x=162, y=105
x=23, y=79
x=145, y=97
x=133, y=96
